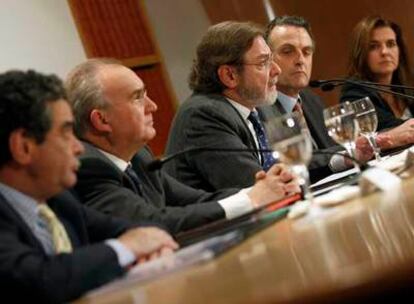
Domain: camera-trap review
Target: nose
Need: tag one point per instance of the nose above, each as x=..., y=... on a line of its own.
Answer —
x=275, y=69
x=150, y=105
x=300, y=59
x=77, y=146
x=384, y=49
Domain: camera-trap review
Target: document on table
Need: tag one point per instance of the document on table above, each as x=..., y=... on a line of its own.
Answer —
x=197, y=253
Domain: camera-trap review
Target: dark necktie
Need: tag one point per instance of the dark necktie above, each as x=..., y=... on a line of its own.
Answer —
x=267, y=158
x=134, y=178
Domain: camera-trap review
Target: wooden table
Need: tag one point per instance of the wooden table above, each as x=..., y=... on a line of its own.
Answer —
x=363, y=249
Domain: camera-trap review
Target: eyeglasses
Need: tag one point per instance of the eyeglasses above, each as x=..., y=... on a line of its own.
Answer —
x=264, y=64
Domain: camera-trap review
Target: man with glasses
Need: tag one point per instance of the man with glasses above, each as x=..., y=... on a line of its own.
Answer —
x=233, y=73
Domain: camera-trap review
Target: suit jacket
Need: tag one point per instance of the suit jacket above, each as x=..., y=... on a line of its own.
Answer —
x=386, y=118
x=101, y=185
x=210, y=120
x=29, y=275
x=312, y=107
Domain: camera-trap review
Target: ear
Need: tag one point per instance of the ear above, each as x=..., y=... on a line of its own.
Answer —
x=228, y=75
x=21, y=146
x=99, y=121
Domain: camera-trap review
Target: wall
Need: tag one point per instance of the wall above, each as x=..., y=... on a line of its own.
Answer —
x=178, y=26
x=40, y=35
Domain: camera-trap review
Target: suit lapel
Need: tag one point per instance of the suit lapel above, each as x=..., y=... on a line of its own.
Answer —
x=91, y=150
x=9, y=212
x=241, y=122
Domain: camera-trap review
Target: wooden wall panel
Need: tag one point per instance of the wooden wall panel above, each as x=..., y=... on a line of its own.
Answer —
x=120, y=29
x=332, y=23
x=238, y=10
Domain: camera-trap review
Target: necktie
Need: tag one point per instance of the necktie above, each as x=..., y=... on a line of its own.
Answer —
x=298, y=109
x=267, y=157
x=60, y=238
x=134, y=178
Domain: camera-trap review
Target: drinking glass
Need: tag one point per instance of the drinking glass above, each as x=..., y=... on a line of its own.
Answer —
x=289, y=138
x=367, y=119
x=342, y=127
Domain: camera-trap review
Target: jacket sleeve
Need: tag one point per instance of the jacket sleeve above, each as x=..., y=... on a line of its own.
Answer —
x=51, y=279
x=101, y=187
x=386, y=118
x=212, y=127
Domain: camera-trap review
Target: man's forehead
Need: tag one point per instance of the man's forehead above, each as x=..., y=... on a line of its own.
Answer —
x=258, y=48
x=118, y=77
x=289, y=33
x=61, y=111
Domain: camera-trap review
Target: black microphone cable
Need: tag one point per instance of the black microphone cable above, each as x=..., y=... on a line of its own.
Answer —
x=158, y=163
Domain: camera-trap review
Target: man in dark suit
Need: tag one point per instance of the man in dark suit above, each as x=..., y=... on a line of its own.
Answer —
x=52, y=249
x=233, y=73
x=113, y=117
x=291, y=41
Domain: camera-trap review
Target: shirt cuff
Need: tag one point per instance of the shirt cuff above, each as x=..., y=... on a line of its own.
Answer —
x=337, y=163
x=237, y=204
x=125, y=256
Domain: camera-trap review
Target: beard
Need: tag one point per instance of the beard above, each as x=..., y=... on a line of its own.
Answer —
x=257, y=97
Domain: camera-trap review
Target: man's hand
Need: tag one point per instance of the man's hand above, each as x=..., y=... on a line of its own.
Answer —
x=398, y=136
x=363, y=150
x=272, y=186
x=148, y=243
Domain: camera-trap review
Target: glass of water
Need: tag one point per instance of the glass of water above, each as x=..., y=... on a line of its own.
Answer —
x=366, y=117
x=290, y=140
x=342, y=127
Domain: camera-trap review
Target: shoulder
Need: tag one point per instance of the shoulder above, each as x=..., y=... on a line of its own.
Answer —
x=94, y=164
x=351, y=91
x=309, y=96
x=206, y=104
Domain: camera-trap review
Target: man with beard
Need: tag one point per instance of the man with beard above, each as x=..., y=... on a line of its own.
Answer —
x=233, y=73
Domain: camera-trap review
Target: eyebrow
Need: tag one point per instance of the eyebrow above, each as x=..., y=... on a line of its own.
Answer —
x=139, y=92
x=264, y=56
x=70, y=124
x=390, y=39
x=287, y=44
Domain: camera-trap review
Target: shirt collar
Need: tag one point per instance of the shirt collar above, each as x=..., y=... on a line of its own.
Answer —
x=287, y=102
x=119, y=163
x=21, y=202
x=244, y=111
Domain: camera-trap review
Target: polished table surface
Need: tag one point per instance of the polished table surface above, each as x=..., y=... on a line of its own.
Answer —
x=361, y=248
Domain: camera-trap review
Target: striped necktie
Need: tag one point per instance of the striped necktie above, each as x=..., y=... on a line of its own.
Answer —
x=60, y=238
x=267, y=158
x=298, y=109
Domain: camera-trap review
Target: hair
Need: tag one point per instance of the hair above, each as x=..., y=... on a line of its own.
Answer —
x=360, y=40
x=24, y=99
x=224, y=43
x=296, y=21
x=85, y=91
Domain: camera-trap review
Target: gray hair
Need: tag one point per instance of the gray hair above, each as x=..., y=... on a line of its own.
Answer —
x=84, y=91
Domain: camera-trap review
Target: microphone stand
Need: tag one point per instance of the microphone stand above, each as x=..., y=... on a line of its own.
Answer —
x=158, y=163
x=330, y=84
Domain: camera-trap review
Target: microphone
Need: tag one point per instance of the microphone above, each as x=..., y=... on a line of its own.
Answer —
x=330, y=84
x=156, y=164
